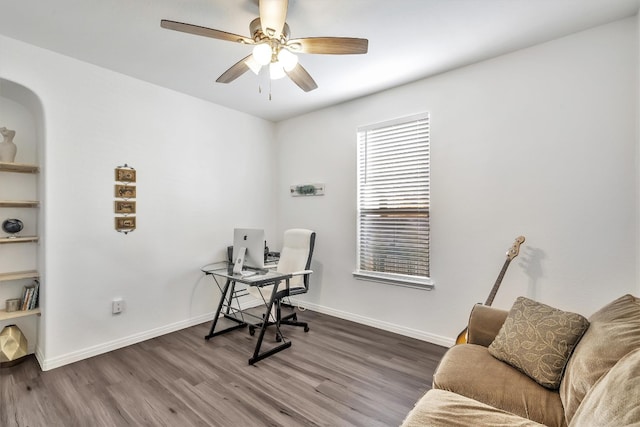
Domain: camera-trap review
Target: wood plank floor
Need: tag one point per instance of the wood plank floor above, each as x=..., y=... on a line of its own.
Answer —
x=340, y=373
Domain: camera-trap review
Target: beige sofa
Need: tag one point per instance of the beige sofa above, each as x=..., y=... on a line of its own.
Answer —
x=599, y=383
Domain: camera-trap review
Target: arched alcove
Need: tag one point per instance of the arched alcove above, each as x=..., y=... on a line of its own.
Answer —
x=21, y=110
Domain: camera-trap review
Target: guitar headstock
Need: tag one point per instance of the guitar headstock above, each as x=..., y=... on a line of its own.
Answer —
x=514, y=250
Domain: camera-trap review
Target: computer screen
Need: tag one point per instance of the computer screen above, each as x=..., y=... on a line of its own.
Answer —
x=252, y=239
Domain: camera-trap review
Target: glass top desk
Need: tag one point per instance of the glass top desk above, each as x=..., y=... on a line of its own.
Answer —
x=229, y=306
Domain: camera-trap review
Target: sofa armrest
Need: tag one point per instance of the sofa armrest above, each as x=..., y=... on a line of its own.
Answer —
x=484, y=324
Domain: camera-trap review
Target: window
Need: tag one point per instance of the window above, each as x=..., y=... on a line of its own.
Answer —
x=393, y=202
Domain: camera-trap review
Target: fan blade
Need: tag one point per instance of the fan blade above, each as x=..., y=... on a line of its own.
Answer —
x=329, y=45
x=302, y=78
x=273, y=14
x=236, y=70
x=204, y=31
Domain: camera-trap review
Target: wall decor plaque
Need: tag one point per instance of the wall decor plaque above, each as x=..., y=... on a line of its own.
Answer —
x=125, y=191
x=125, y=207
x=125, y=174
x=307, y=190
x=125, y=222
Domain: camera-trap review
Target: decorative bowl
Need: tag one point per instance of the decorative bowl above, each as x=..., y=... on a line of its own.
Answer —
x=12, y=226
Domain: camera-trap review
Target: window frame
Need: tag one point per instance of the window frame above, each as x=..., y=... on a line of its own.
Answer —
x=408, y=280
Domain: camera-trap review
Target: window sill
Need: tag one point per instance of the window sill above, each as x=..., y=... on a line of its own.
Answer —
x=426, y=284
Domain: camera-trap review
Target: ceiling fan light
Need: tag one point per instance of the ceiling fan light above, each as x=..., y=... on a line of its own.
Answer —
x=262, y=53
x=287, y=59
x=276, y=71
x=253, y=65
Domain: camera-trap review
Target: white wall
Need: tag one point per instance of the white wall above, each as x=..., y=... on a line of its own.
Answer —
x=194, y=162
x=540, y=142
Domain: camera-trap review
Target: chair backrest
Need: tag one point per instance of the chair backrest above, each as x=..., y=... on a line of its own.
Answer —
x=295, y=255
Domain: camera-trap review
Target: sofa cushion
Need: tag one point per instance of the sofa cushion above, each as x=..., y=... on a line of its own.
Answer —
x=613, y=333
x=441, y=408
x=471, y=371
x=613, y=401
x=485, y=323
x=538, y=339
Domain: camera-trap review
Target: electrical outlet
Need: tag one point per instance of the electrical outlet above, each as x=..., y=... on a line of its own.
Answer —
x=117, y=306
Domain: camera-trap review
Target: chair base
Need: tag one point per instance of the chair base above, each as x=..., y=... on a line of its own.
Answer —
x=292, y=320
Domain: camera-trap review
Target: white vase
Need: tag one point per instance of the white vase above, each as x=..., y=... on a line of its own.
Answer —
x=8, y=152
x=8, y=149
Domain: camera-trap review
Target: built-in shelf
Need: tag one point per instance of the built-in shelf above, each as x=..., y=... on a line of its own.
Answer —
x=19, y=203
x=19, y=167
x=21, y=183
x=19, y=275
x=4, y=315
x=18, y=239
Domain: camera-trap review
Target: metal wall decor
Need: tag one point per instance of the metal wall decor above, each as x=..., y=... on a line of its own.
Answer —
x=307, y=190
x=125, y=194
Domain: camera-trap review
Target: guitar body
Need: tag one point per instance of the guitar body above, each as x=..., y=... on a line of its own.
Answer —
x=513, y=252
x=463, y=336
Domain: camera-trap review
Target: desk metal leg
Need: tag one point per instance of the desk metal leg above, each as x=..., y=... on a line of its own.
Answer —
x=257, y=356
x=230, y=295
x=225, y=299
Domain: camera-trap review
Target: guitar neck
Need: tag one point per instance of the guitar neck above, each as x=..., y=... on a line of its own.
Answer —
x=496, y=286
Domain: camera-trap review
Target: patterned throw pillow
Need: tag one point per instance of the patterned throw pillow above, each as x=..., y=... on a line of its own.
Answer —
x=538, y=340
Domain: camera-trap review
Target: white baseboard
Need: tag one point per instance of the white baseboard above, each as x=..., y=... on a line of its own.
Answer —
x=40, y=357
x=55, y=362
x=386, y=326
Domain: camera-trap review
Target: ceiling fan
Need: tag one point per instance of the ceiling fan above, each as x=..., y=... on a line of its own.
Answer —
x=273, y=46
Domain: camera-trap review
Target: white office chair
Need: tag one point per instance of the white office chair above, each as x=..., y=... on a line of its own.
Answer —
x=295, y=259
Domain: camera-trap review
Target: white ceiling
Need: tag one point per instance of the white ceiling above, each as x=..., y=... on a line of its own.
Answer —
x=408, y=40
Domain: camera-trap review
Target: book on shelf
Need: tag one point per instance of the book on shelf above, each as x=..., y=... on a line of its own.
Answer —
x=25, y=296
x=30, y=296
x=34, y=300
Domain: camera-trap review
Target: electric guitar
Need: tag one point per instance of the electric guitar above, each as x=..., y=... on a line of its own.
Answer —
x=513, y=252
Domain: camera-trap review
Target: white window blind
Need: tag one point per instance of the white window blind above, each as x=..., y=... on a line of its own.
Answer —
x=393, y=201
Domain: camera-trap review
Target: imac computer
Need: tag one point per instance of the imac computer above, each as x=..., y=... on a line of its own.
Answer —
x=248, y=249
